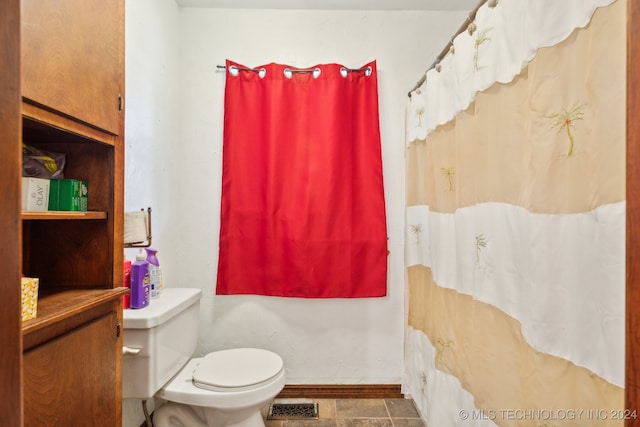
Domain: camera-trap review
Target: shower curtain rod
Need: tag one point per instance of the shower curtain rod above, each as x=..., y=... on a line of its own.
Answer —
x=309, y=70
x=443, y=53
x=257, y=70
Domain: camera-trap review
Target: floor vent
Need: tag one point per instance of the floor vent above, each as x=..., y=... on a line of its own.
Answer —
x=293, y=411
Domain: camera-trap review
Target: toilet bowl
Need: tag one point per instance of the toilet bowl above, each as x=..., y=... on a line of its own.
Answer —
x=225, y=388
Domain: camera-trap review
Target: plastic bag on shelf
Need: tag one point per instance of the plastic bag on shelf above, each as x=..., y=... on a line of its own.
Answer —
x=38, y=163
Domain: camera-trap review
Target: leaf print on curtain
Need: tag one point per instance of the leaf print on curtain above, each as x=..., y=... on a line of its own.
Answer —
x=302, y=211
x=565, y=119
x=480, y=39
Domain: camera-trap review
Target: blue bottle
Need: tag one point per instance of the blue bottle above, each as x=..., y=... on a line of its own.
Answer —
x=140, y=282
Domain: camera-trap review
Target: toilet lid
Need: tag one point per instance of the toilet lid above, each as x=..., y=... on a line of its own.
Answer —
x=235, y=369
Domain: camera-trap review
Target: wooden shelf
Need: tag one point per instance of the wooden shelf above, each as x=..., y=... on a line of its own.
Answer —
x=61, y=309
x=40, y=121
x=58, y=215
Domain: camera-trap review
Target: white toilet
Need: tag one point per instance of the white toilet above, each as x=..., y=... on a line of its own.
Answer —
x=224, y=388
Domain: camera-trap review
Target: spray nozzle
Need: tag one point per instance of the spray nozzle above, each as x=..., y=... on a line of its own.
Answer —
x=151, y=256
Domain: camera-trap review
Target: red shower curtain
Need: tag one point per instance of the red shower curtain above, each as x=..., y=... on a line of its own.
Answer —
x=302, y=212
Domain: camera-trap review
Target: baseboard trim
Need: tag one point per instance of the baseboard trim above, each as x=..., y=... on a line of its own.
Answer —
x=341, y=391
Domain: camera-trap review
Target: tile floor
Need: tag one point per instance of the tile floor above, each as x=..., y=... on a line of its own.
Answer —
x=354, y=413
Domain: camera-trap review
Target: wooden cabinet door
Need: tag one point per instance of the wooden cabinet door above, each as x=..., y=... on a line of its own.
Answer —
x=72, y=380
x=72, y=58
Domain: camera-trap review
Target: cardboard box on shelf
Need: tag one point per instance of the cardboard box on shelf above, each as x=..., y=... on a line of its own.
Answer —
x=29, y=298
x=68, y=195
x=35, y=194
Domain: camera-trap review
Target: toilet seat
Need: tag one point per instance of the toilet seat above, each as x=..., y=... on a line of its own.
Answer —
x=182, y=388
x=237, y=369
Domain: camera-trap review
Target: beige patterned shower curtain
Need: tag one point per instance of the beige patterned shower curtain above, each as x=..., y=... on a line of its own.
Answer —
x=515, y=231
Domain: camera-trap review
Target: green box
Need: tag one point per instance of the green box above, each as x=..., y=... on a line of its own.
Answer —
x=68, y=195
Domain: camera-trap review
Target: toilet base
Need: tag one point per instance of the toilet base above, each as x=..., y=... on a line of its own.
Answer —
x=173, y=414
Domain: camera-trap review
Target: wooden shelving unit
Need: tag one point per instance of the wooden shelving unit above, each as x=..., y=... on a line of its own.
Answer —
x=62, y=90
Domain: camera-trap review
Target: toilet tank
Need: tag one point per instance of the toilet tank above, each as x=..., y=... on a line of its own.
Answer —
x=158, y=340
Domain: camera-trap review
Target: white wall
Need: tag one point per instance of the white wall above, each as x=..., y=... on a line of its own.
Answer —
x=174, y=117
x=152, y=36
